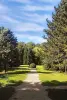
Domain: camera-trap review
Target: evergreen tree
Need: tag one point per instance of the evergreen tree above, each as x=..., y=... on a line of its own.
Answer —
x=57, y=36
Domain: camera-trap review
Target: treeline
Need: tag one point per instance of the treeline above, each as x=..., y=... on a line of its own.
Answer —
x=30, y=53
x=56, y=46
x=14, y=53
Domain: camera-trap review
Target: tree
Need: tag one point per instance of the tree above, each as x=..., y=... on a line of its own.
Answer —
x=25, y=58
x=30, y=45
x=30, y=56
x=57, y=36
x=8, y=45
x=38, y=52
x=20, y=47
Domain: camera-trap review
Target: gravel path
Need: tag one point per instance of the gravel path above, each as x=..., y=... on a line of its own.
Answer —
x=31, y=89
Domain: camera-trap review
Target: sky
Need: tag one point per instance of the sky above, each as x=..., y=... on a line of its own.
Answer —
x=27, y=18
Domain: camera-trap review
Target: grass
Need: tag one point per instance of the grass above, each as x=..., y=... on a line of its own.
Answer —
x=15, y=76
x=51, y=77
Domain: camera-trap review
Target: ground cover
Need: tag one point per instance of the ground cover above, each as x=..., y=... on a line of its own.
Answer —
x=14, y=76
x=51, y=77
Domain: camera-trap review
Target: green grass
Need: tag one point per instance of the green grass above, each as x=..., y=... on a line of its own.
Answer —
x=15, y=76
x=51, y=77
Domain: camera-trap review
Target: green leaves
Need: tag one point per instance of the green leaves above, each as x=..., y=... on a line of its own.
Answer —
x=57, y=36
x=8, y=44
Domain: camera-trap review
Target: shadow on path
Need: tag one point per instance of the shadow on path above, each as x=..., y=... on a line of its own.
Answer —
x=8, y=91
x=29, y=91
x=35, y=91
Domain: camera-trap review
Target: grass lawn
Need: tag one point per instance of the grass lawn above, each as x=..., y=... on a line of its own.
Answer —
x=14, y=77
x=50, y=77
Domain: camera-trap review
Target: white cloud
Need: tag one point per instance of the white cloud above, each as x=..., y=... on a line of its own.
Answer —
x=37, y=8
x=31, y=1
x=21, y=1
x=34, y=17
x=24, y=27
x=19, y=26
x=50, y=1
x=31, y=38
x=8, y=19
x=31, y=17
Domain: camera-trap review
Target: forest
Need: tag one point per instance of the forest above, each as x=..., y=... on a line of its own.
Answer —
x=52, y=54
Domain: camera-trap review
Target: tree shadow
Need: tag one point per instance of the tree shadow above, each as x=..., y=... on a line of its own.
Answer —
x=32, y=91
x=29, y=91
x=26, y=91
x=15, y=83
x=36, y=91
x=57, y=94
x=45, y=72
x=18, y=68
x=15, y=70
x=18, y=72
x=56, y=90
x=54, y=83
x=7, y=92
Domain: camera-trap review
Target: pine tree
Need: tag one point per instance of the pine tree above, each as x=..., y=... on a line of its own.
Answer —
x=57, y=35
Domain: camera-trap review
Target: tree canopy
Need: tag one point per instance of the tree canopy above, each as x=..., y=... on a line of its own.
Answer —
x=56, y=47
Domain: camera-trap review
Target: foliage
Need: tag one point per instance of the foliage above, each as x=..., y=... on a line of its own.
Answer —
x=38, y=51
x=31, y=56
x=20, y=48
x=56, y=46
x=14, y=76
x=30, y=45
x=30, y=53
x=32, y=65
x=8, y=51
x=25, y=58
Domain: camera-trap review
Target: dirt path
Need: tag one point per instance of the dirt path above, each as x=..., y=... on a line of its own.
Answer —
x=31, y=89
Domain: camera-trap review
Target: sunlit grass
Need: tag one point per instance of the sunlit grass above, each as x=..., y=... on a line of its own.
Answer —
x=49, y=76
x=14, y=76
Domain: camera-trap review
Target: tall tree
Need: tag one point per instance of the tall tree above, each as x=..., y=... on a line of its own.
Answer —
x=20, y=47
x=8, y=45
x=57, y=36
x=25, y=58
x=30, y=56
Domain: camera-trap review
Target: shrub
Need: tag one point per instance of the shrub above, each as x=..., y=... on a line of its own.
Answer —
x=32, y=65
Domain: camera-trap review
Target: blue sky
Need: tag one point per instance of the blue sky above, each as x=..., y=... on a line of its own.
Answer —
x=27, y=18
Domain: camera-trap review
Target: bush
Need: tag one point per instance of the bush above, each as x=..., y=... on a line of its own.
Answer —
x=32, y=65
